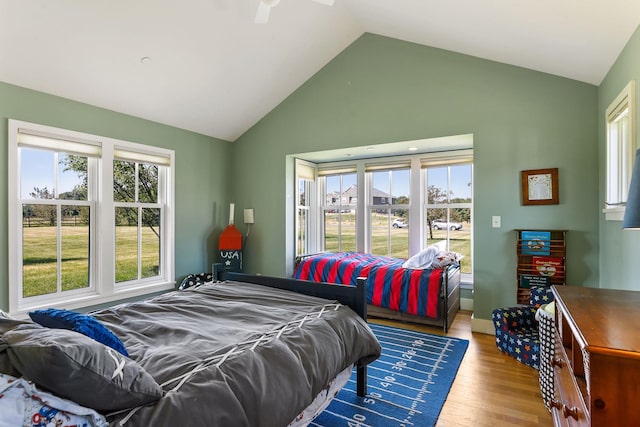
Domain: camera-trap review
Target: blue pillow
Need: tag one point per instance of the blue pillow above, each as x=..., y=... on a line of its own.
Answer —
x=78, y=322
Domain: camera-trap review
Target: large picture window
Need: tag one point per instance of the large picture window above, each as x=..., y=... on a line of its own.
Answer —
x=89, y=218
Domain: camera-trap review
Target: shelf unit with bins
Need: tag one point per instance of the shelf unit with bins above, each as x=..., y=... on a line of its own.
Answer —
x=541, y=260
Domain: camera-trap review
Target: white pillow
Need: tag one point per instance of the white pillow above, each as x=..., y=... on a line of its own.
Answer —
x=422, y=259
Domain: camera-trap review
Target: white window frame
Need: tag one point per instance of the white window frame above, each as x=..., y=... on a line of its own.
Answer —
x=102, y=287
x=306, y=171
x=339, y=169
x=449, y=159
x=385, y=166
x=416, y=207
x=620, y=119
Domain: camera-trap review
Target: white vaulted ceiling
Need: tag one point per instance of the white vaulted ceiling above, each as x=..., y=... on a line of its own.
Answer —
x=212, y=70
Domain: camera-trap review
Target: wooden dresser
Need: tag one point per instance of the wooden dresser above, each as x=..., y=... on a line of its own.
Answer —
x=597, y=357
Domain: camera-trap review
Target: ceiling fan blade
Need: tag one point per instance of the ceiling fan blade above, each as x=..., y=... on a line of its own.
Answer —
x=262, y=15
x=327, y=2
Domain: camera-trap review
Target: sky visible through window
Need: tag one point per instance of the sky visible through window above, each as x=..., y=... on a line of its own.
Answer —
x=37, y=168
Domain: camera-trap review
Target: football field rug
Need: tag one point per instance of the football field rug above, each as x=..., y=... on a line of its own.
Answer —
x=407, y=385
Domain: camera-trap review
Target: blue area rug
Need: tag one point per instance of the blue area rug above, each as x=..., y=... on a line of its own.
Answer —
x=407, y=385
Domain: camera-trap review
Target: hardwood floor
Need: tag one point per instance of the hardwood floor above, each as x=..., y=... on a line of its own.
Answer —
x=490, y=389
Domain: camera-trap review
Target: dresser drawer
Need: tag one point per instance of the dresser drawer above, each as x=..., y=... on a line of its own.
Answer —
x=569, y=407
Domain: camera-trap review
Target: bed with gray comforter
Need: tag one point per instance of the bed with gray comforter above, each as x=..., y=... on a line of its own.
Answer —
x=236, y=354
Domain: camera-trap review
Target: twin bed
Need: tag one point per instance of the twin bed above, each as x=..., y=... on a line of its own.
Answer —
x=422, y=295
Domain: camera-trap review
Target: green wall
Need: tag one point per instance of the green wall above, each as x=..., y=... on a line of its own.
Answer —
x=619, y=267
x=382, y=90
x=201, y=170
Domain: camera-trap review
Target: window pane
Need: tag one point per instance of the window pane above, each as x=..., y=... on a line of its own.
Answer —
x=302, y=231
x=303, y=187
x=150, y=242
x=340, y=230
x=435, y=231
x=461, y=188
x=400, y=186
x=341, y=190
x=124, y=181
x=350, y=188
x=334, y=190
x=302, y=220
x=39, y=251
x=390, y=232
x=331, y=231
x=436, y=217
x=72, y=177
x=75, y=247
x=381, y=188
x=399, y=233
x=436, y=185
x=460, y=240
x=348, y=230
x=148, y=183
x=36, y=174
x=340, y=223
x=126, y=244
x=380, y=231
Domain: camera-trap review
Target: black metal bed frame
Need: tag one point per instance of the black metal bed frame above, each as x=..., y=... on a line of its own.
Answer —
x=353, y=296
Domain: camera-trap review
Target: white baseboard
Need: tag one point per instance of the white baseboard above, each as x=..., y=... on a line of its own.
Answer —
x=466, y=304
x=483, y=326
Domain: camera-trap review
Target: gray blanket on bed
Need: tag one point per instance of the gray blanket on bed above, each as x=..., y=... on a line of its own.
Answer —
x=237, y=354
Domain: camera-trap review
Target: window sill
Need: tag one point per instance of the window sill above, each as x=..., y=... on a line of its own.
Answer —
x=84, y=301
x=613, y=214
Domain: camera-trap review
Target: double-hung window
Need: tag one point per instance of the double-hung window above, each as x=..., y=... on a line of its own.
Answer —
x=448, y=197
x=305, y=202
x=388, y=195
x=90, y=218
x=138, y=181
x=620, y=121
x=339, y=207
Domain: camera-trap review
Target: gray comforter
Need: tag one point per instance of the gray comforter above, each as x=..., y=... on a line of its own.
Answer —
x=237, y=354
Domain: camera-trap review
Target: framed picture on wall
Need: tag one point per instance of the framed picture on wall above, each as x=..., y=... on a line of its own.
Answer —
x=540, y=187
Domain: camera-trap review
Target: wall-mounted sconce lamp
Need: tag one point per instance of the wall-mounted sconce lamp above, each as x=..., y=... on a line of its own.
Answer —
x=632, y=210
x=248, y=219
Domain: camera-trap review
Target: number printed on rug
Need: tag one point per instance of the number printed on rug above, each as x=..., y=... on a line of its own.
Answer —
x=407, y=385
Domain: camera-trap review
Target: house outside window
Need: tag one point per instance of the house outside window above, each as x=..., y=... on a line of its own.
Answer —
x=621, y=146
x=389, y=193
x=89, y=218
x=339, y=205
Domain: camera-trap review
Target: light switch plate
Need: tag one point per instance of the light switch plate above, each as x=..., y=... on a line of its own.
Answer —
x=496, y=221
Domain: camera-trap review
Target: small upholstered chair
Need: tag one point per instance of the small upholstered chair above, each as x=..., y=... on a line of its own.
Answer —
x=517, y=328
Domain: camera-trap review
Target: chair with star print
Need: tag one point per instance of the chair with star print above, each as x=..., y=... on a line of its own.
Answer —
x=517, y=328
